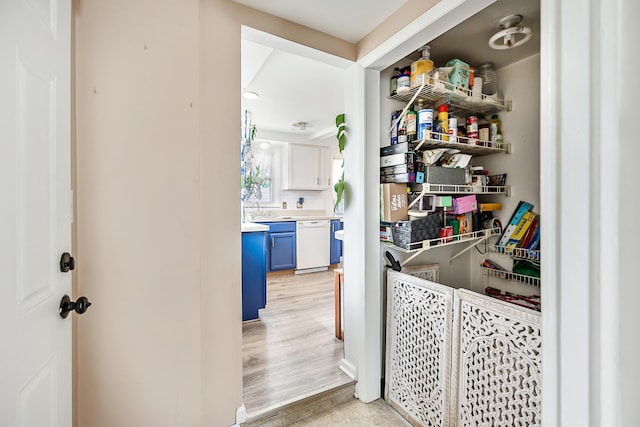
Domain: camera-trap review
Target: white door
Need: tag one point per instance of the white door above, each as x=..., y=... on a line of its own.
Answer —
x=35, y=212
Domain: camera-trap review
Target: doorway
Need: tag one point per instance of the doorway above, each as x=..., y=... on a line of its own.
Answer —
x=291, y=352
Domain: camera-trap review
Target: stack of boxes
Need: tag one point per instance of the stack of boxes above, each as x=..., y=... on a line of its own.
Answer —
x=398, y=163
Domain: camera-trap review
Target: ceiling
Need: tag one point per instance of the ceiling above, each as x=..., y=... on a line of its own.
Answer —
x=297, y=89
x=291, y=89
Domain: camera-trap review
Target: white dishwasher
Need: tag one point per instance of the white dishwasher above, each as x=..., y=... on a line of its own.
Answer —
x=313, y=240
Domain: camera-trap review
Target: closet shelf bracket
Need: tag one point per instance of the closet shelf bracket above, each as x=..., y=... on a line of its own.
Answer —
x=480, y=240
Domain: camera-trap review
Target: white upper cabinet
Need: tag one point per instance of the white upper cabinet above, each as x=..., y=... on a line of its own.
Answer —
x=307, y=168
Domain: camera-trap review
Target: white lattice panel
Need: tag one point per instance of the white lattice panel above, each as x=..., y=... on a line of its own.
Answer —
x=496, y=363
x=419, y=318
x=429, y=272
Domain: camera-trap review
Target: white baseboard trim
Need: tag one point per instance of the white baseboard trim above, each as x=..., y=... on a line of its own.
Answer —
x=349, y=369
x=311, y=270
x=241, y=415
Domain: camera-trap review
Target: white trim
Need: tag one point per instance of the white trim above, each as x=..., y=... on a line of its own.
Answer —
x=349, y=369
x=609, y=370
x=354, y=226
x=426, y=27
x=241, y=415
x=548, y=201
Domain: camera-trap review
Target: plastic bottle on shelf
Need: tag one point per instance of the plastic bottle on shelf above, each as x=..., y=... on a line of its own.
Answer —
x=443, y=121
x=404, y=81
x=402, y=130
x=425, y=123
x=394, y=129
x=422, y=69
x=412, y=124
x=495, y=131
x=394, y=81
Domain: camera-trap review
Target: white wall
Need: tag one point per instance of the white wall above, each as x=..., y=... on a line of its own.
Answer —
x=520, y=83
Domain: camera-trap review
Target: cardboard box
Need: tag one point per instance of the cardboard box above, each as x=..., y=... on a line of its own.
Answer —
x=466, y=222
x=459, y=75
x=394, y=202
x=465, y=204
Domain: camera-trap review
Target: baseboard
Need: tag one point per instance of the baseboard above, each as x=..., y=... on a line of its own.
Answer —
x=349, y=369
x=241, y=415
x=311, y=270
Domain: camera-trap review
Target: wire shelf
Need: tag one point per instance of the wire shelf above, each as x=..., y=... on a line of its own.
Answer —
x=508, y=275
x=446, y=241
x=517, y=253
x=473, y=146
x=463, y=189
x=459, y=99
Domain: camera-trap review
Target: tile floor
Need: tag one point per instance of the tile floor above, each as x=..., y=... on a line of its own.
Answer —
x=354, y=414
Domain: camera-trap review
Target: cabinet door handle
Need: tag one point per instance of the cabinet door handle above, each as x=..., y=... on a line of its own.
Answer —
x=329, y=182
x=318, y=181
x=333, y=228
x=273, y=243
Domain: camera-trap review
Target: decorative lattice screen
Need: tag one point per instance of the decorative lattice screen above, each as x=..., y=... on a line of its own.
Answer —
x=419, y=319
x=496, y=363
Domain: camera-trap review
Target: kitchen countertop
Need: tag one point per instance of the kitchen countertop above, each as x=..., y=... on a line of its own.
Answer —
x=293, y=218
x=249, y=227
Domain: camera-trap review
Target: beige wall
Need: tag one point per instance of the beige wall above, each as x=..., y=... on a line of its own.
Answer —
x=158, y=219
x=398, y=20
x=139, y=210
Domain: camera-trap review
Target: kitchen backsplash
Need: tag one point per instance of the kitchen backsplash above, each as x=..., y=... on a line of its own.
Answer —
x=315, y=203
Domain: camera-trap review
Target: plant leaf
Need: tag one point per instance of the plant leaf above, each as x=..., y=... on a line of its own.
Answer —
x=341, y=135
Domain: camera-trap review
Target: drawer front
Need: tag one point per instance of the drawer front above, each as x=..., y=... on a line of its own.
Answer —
x=281, y=227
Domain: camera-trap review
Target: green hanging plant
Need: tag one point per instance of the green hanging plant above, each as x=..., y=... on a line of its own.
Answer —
x=342, y=139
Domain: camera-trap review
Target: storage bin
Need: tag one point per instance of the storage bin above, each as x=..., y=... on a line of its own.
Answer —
x=407, y=232
x=444, y=176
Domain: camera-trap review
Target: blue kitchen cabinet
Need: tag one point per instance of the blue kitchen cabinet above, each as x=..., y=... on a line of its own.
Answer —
x=336, y=244
x=254, y=273
x=281, y=245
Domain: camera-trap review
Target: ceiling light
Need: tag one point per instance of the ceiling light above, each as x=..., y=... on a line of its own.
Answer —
x=247, y=94
x=301, y=125
x=264, y=145
x=511, y=33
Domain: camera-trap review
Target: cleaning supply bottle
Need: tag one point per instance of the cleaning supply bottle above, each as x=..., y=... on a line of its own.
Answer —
x=443, y=121
x=403, y=82
x=495, y=131
x=412, y=124
x=422, y=69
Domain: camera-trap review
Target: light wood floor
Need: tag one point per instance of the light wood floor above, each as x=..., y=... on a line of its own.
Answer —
x=292, y=352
